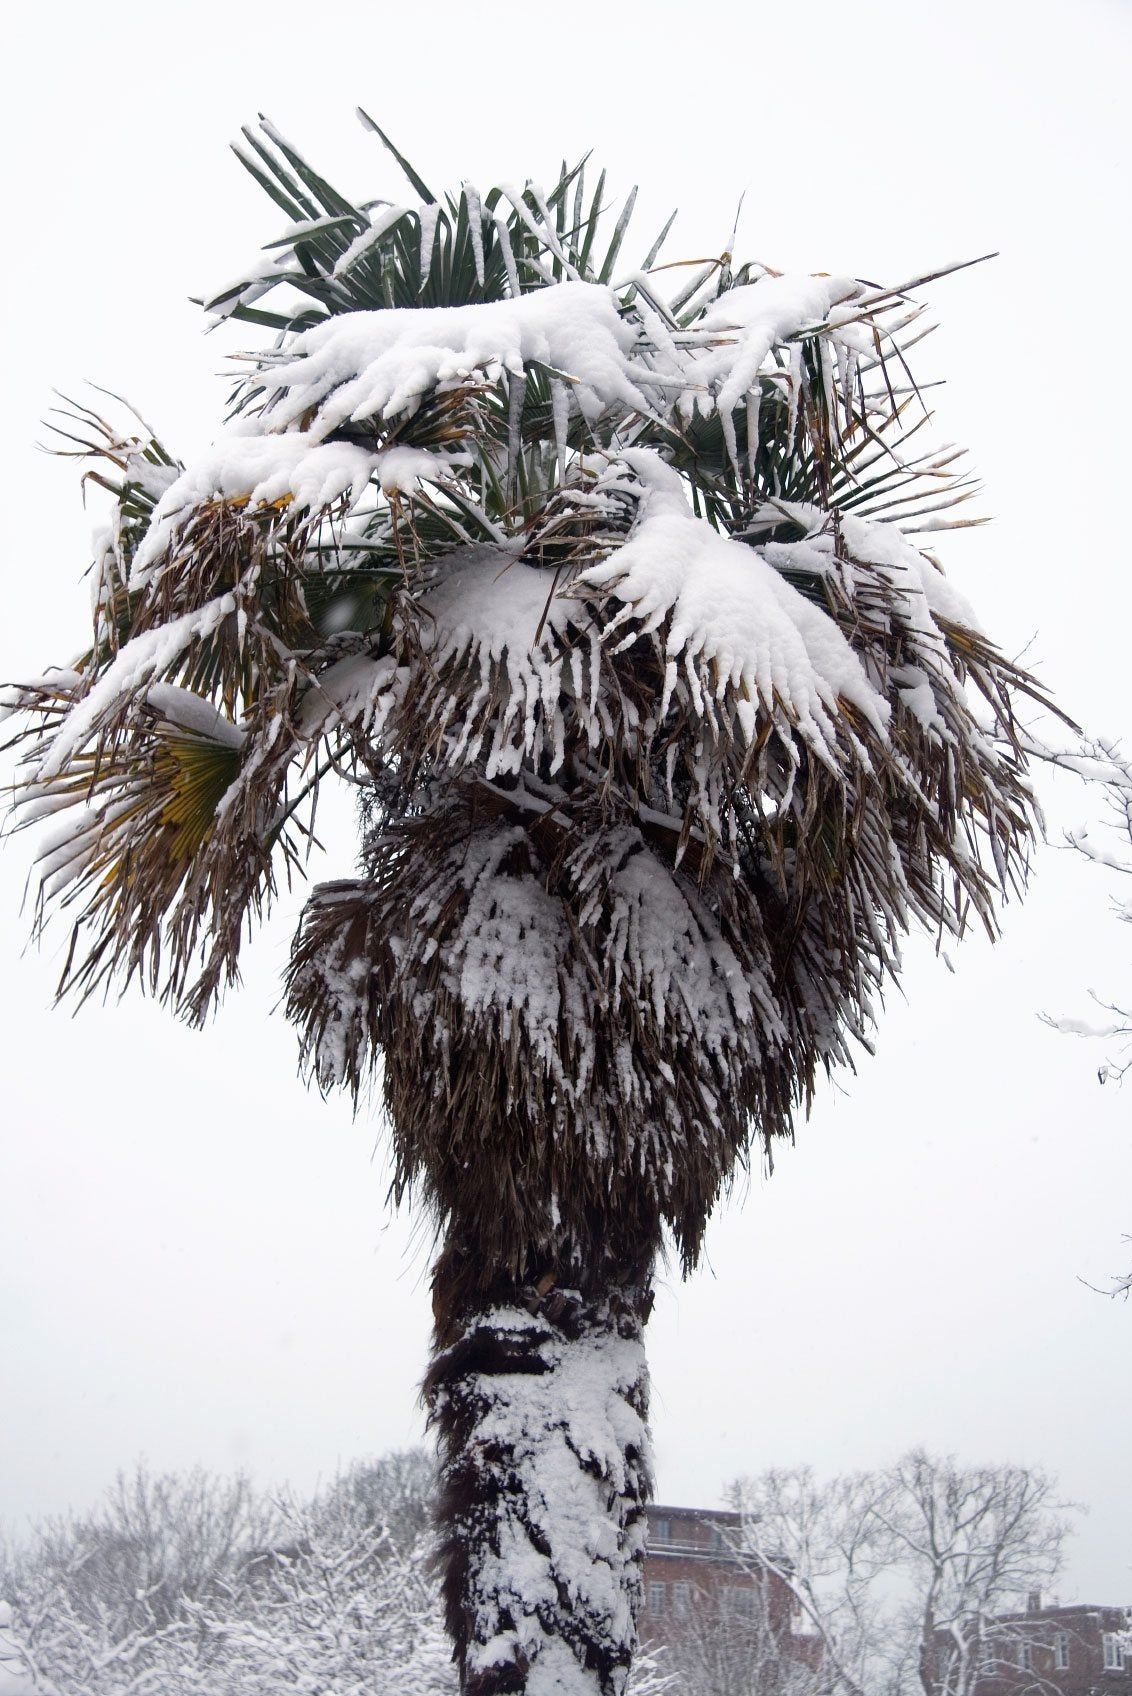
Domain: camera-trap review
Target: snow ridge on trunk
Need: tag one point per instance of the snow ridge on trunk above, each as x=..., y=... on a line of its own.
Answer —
x=545, y=1469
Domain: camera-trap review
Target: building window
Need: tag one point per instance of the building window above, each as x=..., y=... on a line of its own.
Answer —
x=715, y=1541
x=681, y=1600
x=663, y=1531
x=1113, y=1652
x=1026, y=1656
x=656, y=1598
x=739, y=1600
x=1061, y=1651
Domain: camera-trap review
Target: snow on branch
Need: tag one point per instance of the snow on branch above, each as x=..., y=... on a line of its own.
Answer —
x=1099, y=764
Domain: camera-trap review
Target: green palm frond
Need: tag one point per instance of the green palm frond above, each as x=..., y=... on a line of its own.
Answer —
x=341, y=257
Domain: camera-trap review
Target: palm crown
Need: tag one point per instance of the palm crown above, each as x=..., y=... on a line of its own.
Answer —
x=666, y=728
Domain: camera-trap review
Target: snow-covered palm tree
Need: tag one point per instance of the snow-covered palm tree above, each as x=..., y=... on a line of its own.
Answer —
x=603, y=584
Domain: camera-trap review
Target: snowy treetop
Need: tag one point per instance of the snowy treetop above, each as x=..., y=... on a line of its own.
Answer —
x=605, y=584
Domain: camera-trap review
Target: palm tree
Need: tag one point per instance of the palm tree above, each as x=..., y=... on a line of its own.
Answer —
x=602, y=587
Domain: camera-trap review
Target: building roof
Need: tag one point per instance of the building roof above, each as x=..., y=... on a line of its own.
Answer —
x=1061, y=1610
x=714, y=1516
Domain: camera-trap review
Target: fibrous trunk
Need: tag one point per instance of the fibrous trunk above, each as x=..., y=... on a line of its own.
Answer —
x=540, y=1395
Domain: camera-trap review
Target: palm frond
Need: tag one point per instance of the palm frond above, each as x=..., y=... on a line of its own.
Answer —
x=454, y=251
x=417, y=962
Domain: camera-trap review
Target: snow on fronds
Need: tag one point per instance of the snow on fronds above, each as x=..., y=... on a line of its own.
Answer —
x=623, y=1024
x=896, y=591
x=506, y=958
x=171, y=808
x=659, y=941
x=380, y=222
x=502, y=625
x=911, y=574
x=257, y=471
x=545, y=1468
x=257, y=279
x=358, y=692
x=186, y=710
x=290, y=471
x=57, y=683
x=509, y=961
x=401, y=470
x=919, y=584
x=143, y=661
x=378, y=365
x=77, y=848
x=365, y=366
x=520, y=658
x=731, y=340
x=151, y=478
x=335, y=982
x=734, y=628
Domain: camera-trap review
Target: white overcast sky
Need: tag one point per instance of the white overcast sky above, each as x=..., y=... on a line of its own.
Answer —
x=196, y=1259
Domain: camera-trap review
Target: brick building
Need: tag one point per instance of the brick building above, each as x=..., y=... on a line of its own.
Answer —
x=1076, y=1650
x=691, y=1563
x=695, y=1579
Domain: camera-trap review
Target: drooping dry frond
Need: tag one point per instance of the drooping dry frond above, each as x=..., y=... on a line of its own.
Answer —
x=565, y=982
x=145, y=864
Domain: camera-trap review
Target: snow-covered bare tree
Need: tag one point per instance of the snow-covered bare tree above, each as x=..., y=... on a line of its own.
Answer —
x=393, y=1494
x=728, y=1643
x=335, y=1595
x=1105, y=769
x=154, y=1541
x=823, y=1540
x=607, y=591
x=974, y=1541
x=114, y=1587
x=18, y=1673
x=904, y=1573
x=344, y=1605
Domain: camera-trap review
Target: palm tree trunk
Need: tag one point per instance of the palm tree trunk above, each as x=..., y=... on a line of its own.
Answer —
x=540, y=1395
